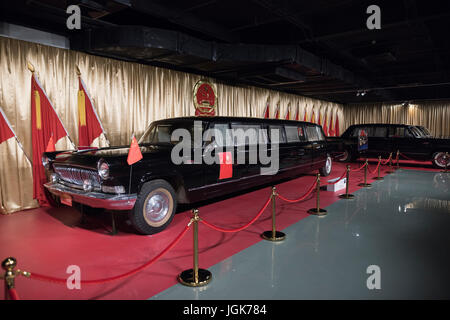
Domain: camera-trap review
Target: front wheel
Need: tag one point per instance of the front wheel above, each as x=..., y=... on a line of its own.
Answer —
x=440, y=159
x=154, y=208
x=326, y=169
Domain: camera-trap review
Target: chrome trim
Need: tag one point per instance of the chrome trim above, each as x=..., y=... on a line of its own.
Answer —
x=94, y=195
x=76, y=175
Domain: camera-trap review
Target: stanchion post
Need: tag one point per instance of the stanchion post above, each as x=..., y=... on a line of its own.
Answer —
x=347, y=195
x=365, y=184
x=195, y=277
x=390, y=164
x=396, y=159
x=8, y=265
x=446, y=163
x=318, y=211
x=378, y=177
x=273, y=235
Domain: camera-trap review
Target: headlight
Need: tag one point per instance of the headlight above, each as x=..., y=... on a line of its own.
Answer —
x=54, y=178
x=45, y=161
x=103, y=169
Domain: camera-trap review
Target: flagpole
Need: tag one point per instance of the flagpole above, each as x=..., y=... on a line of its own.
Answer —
x=15, y=136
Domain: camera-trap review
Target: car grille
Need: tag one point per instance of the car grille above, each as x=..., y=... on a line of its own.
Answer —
x=76, y=176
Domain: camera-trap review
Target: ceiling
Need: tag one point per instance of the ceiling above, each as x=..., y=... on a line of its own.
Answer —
x=320, y=49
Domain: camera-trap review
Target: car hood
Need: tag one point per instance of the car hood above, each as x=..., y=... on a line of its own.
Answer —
x=113, y=155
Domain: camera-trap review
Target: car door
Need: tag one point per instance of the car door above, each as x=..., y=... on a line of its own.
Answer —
x=378, y=141
x=316, y=137
x=221, y=176
x=300, y=150
x=407, y=142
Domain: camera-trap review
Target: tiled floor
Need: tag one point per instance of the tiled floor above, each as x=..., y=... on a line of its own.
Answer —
x=401, y=225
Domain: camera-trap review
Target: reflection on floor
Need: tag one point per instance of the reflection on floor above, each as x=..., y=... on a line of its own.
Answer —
x=400, y=225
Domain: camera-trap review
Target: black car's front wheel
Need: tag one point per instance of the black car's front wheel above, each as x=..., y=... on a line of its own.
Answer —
x=440, y=159
x=326, y=169
x=154, y=208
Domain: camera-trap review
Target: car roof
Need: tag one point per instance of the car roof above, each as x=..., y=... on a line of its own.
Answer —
x=381, y=124
x=237, y=119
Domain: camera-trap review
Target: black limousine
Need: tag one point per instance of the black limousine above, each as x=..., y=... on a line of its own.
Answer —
x=414, y=142
x=174, y=169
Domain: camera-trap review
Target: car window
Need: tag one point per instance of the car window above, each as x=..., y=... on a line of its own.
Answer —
x=367, y=130
x=292, y=134
x=245, y=134
x=221, y=134
x=162, y=133
x=320, y=134
x=312, y=134
x=280, y=133
x=396, y=132
x=379, y=132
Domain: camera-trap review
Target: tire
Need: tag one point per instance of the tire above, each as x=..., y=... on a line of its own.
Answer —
x=438, y=160
x=347, y=157
x=148, y=218
x=326, y=169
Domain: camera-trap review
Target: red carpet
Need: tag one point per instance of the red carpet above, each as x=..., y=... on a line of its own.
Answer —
x=47, y=241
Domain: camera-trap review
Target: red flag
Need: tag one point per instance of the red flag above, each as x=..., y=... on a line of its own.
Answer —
x=320, y=118
x=336, y=127
x=134, y=154
x=44, y=124
x=6, y=131
x=288, y=114
x=325, y=128
x=267, y=111
x=313, y=118
x=89, y=126
x=297, y=114
x=277, y=112
x=304, y=116
x=226, y=165
x=50, y=145
x=330, y=128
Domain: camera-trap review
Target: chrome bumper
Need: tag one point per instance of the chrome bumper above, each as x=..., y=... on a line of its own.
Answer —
x=94, y=199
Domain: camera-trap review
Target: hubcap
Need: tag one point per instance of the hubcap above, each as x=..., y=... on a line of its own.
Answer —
x=328, y=165
x=441, y=159
x=157, y=207
x=344, y=156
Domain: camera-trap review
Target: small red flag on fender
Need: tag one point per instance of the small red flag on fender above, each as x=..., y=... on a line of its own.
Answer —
x=134, y=154
x=226, y=165
x=50, y=145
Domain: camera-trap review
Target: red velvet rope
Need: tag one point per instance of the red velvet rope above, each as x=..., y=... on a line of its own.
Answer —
x=375, y=170
x=340, y=178
x=241, y=228
x=301, y=198
x=13, y=295
x=124, y=275
x=354, y=170
x=407, y=158
x=387, y=160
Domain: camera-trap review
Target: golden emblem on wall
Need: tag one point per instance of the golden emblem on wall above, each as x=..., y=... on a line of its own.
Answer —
x=205, y=99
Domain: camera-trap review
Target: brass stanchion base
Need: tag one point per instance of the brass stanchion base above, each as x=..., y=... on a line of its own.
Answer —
x=346, y=196
x=187, y=278
x=365, y=185
x=378, y=178
x=268, y=235
x=318, y=212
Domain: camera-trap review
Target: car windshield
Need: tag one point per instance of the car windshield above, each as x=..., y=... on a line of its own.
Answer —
x=424, y=131
x=162, y=132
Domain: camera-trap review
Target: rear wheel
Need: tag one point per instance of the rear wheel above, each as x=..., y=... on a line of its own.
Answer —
x=347, y=156
x=326, y=169
x=440, y=159
x=154, y=208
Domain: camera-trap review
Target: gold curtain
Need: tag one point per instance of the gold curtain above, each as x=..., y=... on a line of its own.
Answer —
x=127, y=97
x=434, y=115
